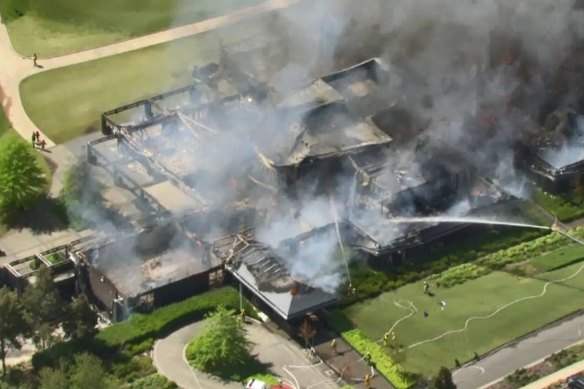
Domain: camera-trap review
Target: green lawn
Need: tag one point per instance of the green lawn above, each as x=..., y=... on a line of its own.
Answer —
x=56, y=27
x=566, y=207
x=67, y=102
x=479, y=297
x=558, y=258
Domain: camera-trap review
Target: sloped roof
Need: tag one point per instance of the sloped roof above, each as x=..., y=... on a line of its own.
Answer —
x=323, y=132
x=263, y=272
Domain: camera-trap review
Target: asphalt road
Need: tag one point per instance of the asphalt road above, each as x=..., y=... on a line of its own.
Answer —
x=286, y=359
x=520, y=354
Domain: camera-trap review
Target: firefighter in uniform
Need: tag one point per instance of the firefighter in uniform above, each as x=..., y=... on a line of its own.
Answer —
x=367, y=381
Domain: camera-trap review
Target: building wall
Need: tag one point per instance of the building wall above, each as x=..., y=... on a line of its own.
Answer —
x=102, y=289
x=182, y=289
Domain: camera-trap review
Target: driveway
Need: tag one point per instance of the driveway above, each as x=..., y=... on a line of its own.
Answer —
x=286, y=358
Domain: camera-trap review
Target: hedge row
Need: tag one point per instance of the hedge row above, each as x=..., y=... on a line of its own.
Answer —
x=142, y=327
x=120, y=342
x=154, y=381
x=496, y=261
x=383, y=362
x=566, y=207
x=370, y=283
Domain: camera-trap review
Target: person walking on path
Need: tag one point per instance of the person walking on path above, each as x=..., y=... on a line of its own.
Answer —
x=34, y=60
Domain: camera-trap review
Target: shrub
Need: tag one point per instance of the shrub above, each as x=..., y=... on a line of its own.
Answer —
x=134, y=336
x=383, y=362
x=496, y=261
x=143, y=327
x=566, y=207
x=153, y=381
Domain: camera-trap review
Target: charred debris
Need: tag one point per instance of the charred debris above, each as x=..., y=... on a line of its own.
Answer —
x=343, y=138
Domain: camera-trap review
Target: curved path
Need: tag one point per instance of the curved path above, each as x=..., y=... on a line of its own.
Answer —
x=284, y=357
x=525, y=352
x=14, y=68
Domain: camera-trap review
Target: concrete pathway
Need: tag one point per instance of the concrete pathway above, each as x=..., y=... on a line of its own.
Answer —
x=559, y=376
x=283, y=357
x=524, y=352
x=14, y=68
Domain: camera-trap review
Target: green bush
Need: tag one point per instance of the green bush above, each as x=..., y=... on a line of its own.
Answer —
x=521, y=378
x=143, y=327
x=498, y=260
x=566, y=207
x=123, y=340
x=360, y=342
x=383, y=362
x=136, y=368
x=153, y=381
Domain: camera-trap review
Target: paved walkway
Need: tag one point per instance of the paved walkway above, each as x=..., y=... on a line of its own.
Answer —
x=283, y=357
x=14, y=68
x=348, y=363
x=525, y=352
x=557, y=377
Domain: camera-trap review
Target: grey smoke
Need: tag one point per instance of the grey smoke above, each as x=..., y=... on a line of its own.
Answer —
x=442, y=69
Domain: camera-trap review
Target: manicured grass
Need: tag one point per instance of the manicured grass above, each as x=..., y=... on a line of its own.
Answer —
x=558, y=258
x=67, y=102
x=566, y=207
x=56, y=27
x=479, y=297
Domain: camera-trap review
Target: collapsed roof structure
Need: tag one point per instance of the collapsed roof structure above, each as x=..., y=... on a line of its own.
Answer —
x=557, y=161
x=263, y=272
x=344, y=127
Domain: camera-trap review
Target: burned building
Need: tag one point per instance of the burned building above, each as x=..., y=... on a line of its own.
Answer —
x=139, y=272
x=556, y=160
x=235, y=151
x=265, y=274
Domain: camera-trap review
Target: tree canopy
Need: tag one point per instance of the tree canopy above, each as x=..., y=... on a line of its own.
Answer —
x=53, y=378
x=443, y=380
x=86, y=372
x=12, y=324
x=80, y=319
x=221, y=343
x=42, y=305
x=22, y=179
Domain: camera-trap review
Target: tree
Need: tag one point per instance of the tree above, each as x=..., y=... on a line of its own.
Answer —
x=42, y=305
x=306, y=332
x=12, y=324
x=88, y=372
x=221, y=344
x=53, y=378
x=23, y=181
x=80, y=320
x=443, y=380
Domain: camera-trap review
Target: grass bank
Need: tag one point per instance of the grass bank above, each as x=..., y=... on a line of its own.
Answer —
x=57, y=27
x=67, y=102
x=501, y=294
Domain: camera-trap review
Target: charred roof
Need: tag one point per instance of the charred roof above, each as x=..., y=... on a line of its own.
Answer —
x=261, y=270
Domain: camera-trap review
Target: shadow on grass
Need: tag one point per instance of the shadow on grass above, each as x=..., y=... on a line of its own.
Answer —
x=46, y=216
x=241, y=372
